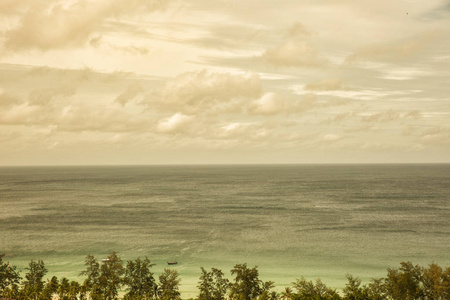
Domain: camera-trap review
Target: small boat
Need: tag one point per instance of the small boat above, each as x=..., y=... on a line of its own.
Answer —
x=105, y=259
x=172, y=263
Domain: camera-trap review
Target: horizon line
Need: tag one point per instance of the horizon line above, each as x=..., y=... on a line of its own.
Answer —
x=225, y=164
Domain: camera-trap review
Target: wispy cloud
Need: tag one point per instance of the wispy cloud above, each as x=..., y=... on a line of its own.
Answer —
x=296, y=51
x=52, y=24
x=394, y=51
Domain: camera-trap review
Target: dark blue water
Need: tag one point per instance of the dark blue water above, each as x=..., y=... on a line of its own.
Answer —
x=291, y=220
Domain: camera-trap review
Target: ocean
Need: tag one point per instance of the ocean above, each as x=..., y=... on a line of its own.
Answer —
x=292, y=221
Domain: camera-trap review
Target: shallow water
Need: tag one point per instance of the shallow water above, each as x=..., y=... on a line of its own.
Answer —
x=291, y=221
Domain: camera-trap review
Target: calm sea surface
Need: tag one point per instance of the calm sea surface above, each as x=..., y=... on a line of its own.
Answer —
x=291, y=221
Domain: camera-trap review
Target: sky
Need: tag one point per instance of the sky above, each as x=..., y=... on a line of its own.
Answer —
x=95, y=82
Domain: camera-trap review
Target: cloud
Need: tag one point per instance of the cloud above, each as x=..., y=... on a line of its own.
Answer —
x=12, y=6
x=244, y=132
x=391, y=116
x=74, y=118
x=307, y=102
x=45, y=96
x=214, y=94
x=296, y=51
x=360, y=128
x=403, y=73
x=407, y=131
x=298, y=30
x=393, y=51
x=129, y=94
x=325, y=85
x=231, y=130
x=360, y=120
x=53, y=24
x=331, y=138
x=15, y=115
x=436, y=136
x=243, y=36
x=95, y=118
x=342, y=117
x=65, y=101
x=356, y=94
x=268, y=104
x=293, y=53
x=271, y=104
x=69, y=75
x=175, y=124
x=196, y=90
x=7, y=100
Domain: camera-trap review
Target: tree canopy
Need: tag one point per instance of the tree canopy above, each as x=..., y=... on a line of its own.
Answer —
x=105, y=279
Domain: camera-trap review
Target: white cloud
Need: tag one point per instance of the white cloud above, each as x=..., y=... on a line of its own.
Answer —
x=331, y=137
x=175, y=124
x=245, y=132
x=268, y=104
x=22, y=114
x=230, y=130
x=404, y=73
x=357, y=94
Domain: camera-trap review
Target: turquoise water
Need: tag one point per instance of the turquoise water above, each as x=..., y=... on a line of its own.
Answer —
x=291, y=221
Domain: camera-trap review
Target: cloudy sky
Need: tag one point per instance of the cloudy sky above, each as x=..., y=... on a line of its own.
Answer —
x=224, y=81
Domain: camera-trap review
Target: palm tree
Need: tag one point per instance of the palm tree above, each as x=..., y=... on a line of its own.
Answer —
x=287, y=293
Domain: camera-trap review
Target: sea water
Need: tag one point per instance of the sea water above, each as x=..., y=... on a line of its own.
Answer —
x=292, y=221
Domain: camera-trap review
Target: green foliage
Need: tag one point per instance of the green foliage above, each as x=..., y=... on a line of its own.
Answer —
x=266, y=293
x=63, y=289
x=34, y=279
x=405, y=283
x=212, y=285
x=139, y=280
x=111, y=276
x=169, y=285
x=247, y=285
x=436, y=282
x=377, y=290
x=318, y=291
x=103, y=281
x=51, y=287
x=354, y=291
x=91, y=285
x=287, y=293
x=74, y=290
x=84, y=290
x=9, y=279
